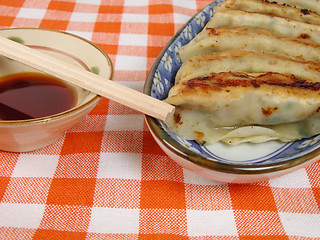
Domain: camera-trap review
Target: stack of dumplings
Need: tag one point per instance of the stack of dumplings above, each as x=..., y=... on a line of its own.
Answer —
x=251, y=75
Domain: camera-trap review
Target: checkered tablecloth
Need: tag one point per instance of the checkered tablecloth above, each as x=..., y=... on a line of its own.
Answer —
x=106, y=178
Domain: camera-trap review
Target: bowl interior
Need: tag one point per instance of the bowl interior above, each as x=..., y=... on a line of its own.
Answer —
x=161, y=79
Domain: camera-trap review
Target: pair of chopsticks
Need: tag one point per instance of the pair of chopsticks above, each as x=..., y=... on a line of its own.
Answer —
x=86, y=80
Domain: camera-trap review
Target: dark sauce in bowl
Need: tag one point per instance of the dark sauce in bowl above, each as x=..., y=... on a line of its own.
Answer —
x=32, y=95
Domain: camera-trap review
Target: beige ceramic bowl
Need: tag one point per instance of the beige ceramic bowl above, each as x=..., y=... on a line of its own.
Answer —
x=28, y=135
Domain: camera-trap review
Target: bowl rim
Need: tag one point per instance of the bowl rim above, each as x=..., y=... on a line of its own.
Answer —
x=238, y=168
x=70, y=111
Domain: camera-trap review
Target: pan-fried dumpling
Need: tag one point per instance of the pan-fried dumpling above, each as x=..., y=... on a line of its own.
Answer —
x=278, y=25
x=246, y=61
x=270, y=8
x=312, y=5
x=251, y=39
x=238, y=107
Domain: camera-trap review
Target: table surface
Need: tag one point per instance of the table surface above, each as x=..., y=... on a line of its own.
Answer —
x=106, y=178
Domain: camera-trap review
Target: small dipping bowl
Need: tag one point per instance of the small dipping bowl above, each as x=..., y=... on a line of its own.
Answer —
x=31, y=134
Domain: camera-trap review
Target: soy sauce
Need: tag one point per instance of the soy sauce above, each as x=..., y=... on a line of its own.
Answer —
x=33, y=95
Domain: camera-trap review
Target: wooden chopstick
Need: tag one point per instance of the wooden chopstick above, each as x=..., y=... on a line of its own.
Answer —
x=85, y=79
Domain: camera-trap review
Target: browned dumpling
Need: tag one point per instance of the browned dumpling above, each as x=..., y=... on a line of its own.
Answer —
x=246, y=61
x=251, y=39
x=301, y=14
x=307, y=5
x=221, y=103
x=278, y=25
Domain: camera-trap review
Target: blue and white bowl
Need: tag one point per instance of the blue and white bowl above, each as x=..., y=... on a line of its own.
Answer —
x=242, y=163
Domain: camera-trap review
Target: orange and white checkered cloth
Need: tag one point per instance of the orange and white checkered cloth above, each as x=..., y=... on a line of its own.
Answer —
x=108, y=179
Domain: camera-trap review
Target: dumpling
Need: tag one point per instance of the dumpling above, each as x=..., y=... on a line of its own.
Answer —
x=237, y=107
x=246, y=61
x=251, y=39
x=278, y=25
x=270, y=8
x=312, y=5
